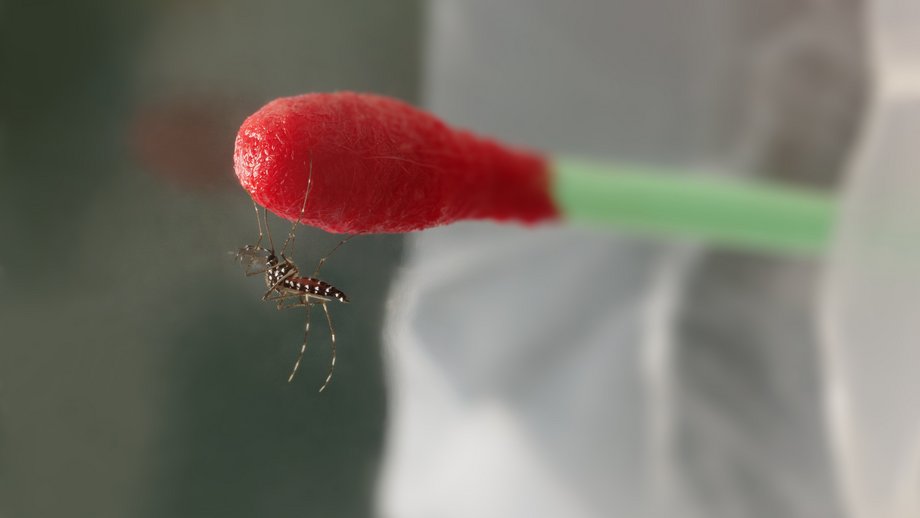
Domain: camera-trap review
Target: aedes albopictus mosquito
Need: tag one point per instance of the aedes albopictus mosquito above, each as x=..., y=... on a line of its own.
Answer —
x=285, y=285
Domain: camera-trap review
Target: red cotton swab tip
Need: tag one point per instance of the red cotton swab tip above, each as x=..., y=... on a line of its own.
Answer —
x=381, y=165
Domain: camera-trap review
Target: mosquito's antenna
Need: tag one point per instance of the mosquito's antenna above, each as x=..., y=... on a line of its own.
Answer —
x=332, y=334
x=268, y=229
x=291, y=235
x=258, y=222
x=303, y=347
x=327, y=256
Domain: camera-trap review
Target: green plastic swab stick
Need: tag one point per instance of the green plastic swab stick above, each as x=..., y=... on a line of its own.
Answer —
x=718, y=210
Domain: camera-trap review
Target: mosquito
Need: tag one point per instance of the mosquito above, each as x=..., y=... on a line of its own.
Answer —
x=285, y=286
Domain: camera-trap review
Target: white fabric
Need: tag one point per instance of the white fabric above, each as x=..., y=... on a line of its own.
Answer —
x=872, y=317
x=523, y=380
x=516, y=375
x=531, y=370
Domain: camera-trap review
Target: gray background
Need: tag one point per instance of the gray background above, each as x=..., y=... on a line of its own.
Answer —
x=139, y=373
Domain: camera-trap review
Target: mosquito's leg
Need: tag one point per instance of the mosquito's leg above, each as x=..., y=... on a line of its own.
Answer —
x=284, y=295
x=248, y=270
x=247, y=251
x=327, y=256
x=249, y=265
x=284, y=301
x=258, y=222
x=250, y=251
x=303, y=300
x=332, y=334
x=268, y=229
x=251, y=255
x=291, y=235
x=303, y=346
x=296, y=304
x=286, y=276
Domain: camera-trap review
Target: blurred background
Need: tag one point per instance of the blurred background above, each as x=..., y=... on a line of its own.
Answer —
x=140, y=375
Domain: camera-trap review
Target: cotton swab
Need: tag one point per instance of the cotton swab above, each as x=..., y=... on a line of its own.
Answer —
x=382, y=166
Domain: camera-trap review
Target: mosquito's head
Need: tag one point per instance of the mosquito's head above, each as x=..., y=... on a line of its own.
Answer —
x=271, y=261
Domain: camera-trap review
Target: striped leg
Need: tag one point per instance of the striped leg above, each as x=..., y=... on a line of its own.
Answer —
x=303, y=346
x=332, y=334
x=288, y=275
x=327, y=256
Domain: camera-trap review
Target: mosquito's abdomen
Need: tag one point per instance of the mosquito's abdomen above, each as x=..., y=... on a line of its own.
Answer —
x=316, y=287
